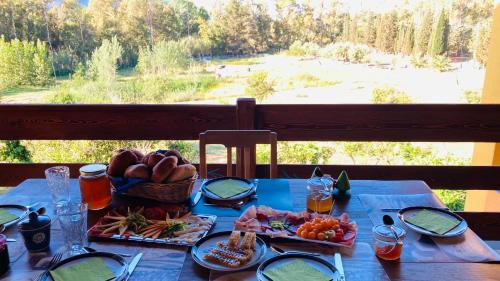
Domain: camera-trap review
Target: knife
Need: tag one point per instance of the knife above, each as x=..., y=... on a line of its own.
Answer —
x=338, y=265
x=132, y=265
x=197, y=197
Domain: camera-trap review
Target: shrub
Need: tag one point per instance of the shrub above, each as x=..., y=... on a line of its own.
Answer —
x=296, y=49
x=297, y=153
x=388, y=94
x=104, y=61
x=311, y=49
x=14, y=151
x=441, y=63
x=65, y=60
x=196, y=46
x=259, y=86
x=418, y=61
x=342, y=51
x=164, y=58
x=328, y=51
x=472, y=96
x=358, y=53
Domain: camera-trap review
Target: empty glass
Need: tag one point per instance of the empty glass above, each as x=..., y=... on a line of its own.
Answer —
x=73, y=220
x=58, y=182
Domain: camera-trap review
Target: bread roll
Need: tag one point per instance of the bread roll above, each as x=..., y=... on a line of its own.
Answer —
x=173, y=152
x=120, y=162
x=154, y=159
x=183, y=161
x=163, y=169
x=146, y=158
x=140, y=171
x=138, y=154
x=182, y=172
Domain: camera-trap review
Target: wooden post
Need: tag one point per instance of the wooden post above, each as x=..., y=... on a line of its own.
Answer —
x=488, y=153
x=245, y=120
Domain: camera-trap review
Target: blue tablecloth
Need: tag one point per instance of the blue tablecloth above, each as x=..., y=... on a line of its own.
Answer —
x=274, y=193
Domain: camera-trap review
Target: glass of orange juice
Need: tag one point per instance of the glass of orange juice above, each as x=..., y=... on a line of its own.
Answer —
x=319, y=197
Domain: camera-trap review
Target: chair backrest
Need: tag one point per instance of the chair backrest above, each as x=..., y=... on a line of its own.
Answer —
x=241, y=139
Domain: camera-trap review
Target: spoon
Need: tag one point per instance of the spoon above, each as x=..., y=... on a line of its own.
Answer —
x=390, y=222
x=92, y=250
x=282, y=252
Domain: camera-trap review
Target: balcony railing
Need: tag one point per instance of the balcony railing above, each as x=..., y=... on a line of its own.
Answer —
x=408, y=122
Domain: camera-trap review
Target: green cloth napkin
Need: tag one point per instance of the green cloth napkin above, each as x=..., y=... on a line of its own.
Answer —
x=6, y=216
x=433, y=222
x=296, y=270
x=94, y=269
x=226, y=188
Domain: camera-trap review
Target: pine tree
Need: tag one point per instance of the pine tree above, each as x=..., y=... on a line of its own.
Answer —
x=424, y=33
x=408, y=40
x=387, y=32
x=438, y=44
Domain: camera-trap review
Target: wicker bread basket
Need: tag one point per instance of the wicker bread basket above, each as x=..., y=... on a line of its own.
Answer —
x=175, y=192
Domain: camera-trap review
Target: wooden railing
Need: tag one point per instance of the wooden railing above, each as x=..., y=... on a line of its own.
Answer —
x=415, y=122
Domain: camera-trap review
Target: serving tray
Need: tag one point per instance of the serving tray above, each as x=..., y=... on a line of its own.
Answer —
x=94, y=235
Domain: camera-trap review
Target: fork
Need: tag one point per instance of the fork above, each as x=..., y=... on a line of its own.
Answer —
x=55, y=259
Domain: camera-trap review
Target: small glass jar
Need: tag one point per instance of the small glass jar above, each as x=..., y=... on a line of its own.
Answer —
x=386, y=245
x=4, y=255
x=95, y=186
x=319, y=197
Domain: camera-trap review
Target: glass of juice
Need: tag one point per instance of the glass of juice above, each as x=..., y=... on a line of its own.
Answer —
x=319, y=197
x=95, y=187
x=387, y=246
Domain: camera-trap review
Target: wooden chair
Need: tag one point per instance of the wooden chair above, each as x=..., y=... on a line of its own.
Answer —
x=242, y=139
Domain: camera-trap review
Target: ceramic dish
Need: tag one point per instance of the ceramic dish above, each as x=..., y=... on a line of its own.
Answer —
x=243, y=182
x=411, y=211
x=114, y=262
x=17, y=210
x=280, y=260
x=203, y=245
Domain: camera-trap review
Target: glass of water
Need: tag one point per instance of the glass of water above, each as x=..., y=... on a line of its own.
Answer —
x=73, y=220
x=58, y=182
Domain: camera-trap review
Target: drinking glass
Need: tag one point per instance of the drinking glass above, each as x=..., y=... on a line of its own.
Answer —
x=58, y=182
x=73, y=220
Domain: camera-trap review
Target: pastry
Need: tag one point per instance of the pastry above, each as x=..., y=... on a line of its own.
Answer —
x=163, y=169
x=140, y=171
x=120, y=162
x=182, y=172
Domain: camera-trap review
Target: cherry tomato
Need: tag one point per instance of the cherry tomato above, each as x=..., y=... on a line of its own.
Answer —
x=307, y=226
x=321, y=236
x=304, y=233
x=311, y=235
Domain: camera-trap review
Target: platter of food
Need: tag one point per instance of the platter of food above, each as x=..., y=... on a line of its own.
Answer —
x=152, y=225
x=229, y=250
x=304, y=226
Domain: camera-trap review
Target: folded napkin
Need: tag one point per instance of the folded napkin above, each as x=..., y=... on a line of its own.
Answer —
x=433, y=221
x=226, y=188
x=94, y=269
x=296, y=270
x=6, y=216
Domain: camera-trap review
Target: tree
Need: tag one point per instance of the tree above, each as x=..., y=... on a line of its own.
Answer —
x=438, y=44
x=481, y=42
x=104, y=61
x=387, y=32
x=14, y=151
x=259, y=86
x=424, y=33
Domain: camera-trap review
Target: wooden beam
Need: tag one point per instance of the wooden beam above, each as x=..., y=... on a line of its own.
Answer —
x=382, y=122
x=113, y=122
x=437, y=177
x=484, y=224
x=245, y=119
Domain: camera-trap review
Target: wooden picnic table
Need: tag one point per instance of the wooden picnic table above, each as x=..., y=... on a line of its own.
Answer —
x=171, y=263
